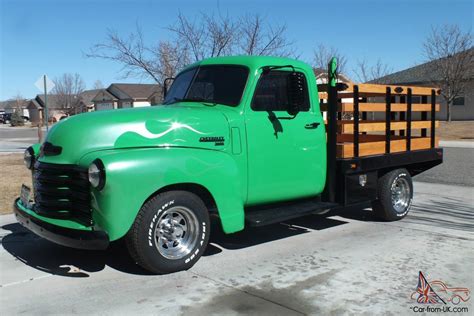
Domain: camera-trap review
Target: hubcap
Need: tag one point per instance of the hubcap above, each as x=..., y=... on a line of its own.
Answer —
x=401, y=195
x=176, y=232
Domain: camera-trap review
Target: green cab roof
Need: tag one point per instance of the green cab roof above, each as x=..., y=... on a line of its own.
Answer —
x=252, y=62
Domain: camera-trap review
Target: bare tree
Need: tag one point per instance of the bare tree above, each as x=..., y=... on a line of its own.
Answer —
x=98, y=85
x=67, y=89
x=215, y=35
x=222, y=32
x=171, y=57
x=366, y=72
x=208, y=35
x=17, y=115
x=323, y=54
x=451, y=57
x=19, y=101
x=256, y=37
x=135, y=57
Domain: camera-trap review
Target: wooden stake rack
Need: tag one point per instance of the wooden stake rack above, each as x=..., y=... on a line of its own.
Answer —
x=391, y=128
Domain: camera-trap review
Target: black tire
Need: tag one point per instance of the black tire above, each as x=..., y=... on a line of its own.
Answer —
x=384, y=207
x=151, y=251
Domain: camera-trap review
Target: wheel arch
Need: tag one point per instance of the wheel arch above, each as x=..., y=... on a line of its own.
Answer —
x=411, y=171
x=201, y=191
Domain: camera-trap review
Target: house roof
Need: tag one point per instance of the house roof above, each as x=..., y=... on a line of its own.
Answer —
x=135, y=90
x=88, y=95
x=104, y=95
x=419, y=74
x=415, y=75
x=11, y=104
x=53, y=101
x=33, y=104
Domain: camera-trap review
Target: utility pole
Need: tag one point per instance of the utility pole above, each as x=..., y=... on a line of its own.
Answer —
x=45, y=85
x=46, y=103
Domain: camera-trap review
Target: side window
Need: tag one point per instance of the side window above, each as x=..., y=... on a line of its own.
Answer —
x=271, y=93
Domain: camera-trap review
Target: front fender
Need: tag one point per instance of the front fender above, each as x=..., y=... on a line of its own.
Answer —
x=133, y=175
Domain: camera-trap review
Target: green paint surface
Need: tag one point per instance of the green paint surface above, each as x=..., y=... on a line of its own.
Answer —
x=54, y=221
x=147, y=149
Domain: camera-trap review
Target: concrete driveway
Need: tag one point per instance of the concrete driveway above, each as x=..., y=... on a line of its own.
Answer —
x=339, y=264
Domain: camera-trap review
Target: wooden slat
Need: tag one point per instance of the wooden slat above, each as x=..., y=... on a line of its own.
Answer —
x=381, y=89
x=364, y=138
x=378, y=126
x=346, y=150
x=373, y=90
x=380, y=107
x=395, y=90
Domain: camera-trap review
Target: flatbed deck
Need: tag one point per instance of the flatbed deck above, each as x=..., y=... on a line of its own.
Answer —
x=372, y=129
x=366, y=126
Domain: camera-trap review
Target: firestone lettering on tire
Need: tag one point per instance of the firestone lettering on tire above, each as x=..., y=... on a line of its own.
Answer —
x=201, y=243
x=153, y=221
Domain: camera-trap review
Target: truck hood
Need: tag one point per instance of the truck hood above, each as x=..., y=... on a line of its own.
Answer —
x=176, y=125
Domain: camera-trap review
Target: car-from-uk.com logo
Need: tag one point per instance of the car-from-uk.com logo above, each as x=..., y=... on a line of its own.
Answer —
x=437, y=297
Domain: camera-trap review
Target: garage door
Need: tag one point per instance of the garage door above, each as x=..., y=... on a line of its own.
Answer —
x=104, y=106
x=126, y=104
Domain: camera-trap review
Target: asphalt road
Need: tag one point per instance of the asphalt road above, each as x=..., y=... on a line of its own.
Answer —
x=17, y=139
x=341, y=263
x=458, y=168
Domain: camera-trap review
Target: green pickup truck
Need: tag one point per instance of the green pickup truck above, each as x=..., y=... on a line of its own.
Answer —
x=239, y=138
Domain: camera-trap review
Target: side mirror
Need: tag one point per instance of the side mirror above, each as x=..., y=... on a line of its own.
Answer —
x=296, y=95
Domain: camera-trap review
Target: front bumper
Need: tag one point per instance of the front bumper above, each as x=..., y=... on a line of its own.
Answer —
x=74, y=238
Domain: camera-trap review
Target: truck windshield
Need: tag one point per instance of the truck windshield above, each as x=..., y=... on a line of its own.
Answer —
x=213, y=84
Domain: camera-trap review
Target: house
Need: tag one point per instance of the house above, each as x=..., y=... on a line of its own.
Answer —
x=85, y=100
x=104, y=100
x=10, y=106
x=55, y=108
x=463, y=105
x=116, y=96
x=322, y=76
x=127, y=95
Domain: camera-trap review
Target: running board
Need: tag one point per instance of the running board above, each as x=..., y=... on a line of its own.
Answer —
x=278, y=213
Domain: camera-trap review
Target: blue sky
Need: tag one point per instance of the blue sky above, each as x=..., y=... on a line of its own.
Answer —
x=49, y=37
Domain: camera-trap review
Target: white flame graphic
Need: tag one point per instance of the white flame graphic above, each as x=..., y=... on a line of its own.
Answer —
x=143, y=131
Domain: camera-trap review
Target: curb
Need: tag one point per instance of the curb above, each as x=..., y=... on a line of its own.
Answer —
x=456, y=144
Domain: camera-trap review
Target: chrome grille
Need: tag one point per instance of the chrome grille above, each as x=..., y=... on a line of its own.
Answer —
x=62, y=191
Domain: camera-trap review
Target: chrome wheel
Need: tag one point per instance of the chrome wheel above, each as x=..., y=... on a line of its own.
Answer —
x=401, y=195
x=176, y=232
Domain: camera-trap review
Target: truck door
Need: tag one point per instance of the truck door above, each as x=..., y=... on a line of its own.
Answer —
x=286, y=154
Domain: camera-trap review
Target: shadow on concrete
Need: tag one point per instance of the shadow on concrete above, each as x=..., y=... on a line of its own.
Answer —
x=46, y=256
x=49, y=257
x=445, y=212
x=450, y=213
x=252, y=236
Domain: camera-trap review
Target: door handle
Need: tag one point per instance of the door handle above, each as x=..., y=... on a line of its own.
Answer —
x=312, y=125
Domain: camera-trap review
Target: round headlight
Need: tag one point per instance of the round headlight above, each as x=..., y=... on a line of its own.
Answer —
x=97, y=174
x=29, y=158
